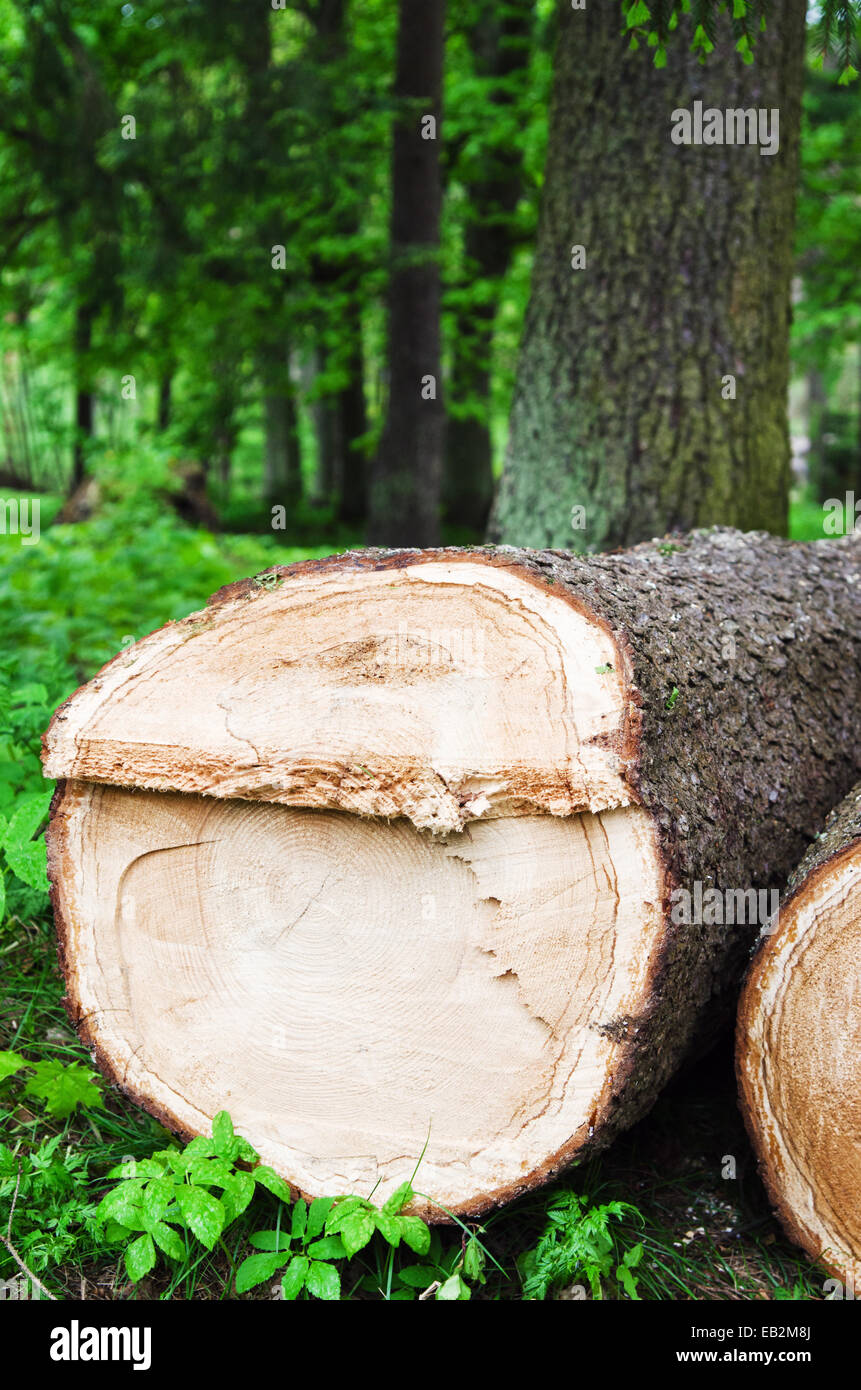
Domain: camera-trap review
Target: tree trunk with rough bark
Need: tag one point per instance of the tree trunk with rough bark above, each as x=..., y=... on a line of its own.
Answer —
x=799, y=1040
x=390, y=847
x=406, y=476
x=624, y=401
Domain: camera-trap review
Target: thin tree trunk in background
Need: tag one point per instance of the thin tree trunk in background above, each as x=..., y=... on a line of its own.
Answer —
x=281, y=472
x=83, y=393
x=404, y=499
x=352, y=408
x=165, y=391
x=500, y=47
x=618, y=406
x=326, y=434
x=282, y=478
x=341, y=418
x=816, y=407
x=224, y=426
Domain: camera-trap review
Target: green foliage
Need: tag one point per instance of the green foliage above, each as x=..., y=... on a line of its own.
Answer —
x=827, y=317
x=174, y=1188
x=10, y=1063
x=178, y=1197
x=54, y=1214
x=578, y=1243
x=328, y=1231
x=836, y=27
x=60, y=1086
x=25, y=857
x=24, y=713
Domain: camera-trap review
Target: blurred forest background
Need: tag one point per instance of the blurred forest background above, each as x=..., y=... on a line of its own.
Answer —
x=249, y=315
x=200, y=237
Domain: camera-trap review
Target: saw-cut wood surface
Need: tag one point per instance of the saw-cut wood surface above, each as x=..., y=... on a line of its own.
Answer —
x=378, y=852
x=799, y=1051
x=363, y=985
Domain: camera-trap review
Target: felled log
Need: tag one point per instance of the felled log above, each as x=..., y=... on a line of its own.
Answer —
x=384, y=850
x=798, y=1050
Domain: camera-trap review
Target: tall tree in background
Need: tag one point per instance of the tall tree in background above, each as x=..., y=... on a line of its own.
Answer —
x=622, y=405
x=404, y=498
x=491, y=169
x=336, y=273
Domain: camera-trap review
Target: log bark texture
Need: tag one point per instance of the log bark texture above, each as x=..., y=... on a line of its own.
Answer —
x=798, y=1044
x=489, y=771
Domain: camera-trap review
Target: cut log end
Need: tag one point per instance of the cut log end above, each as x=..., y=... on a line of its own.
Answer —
x=350, y=989
x=458, y=968
x=799, y=1040
x=376, y=852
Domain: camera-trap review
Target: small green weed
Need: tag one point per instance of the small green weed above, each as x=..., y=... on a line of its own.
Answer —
x=47, y=1214
x=173, y=1188
x=578, y=1241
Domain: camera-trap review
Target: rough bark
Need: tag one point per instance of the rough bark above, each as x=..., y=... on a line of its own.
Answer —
x=799, y=1035
x=627, y=726
x=618, y=406
x=406, y=477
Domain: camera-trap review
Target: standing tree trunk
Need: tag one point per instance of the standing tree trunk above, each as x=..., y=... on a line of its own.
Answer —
x=340, y=421
x=282, y=462
x=391, y=849
x=799, y=1039
x=406, y=481
x=83, y=393
x=622, y=404
x=499, y=43
x=340, y=418
x=165, y=399
x=352, y=407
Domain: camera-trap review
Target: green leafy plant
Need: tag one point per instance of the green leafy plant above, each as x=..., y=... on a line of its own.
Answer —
x=174, y=1189
x=330, y=1229
x=302, y=1251
x=47, y=1214
x=25, y=857
x=60, y=1086
x=578, y=1241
